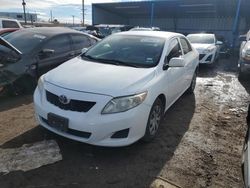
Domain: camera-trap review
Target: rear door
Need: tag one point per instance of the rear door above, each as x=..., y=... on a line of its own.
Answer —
x=190, y=61
x=80, y=42
x=62, y=47
x=174, y=76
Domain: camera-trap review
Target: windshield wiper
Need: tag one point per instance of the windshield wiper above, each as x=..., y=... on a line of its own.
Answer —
x=110, y=61
x=118, y=62
x=88, y=57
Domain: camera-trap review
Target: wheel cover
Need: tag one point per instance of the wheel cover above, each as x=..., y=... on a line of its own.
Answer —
x=155, y=119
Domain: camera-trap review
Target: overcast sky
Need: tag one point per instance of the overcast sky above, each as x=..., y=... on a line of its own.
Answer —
x=61, y=9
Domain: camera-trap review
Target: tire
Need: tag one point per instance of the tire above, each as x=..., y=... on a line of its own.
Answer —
x=191, y=88
x=241, y=75
x=24, y=85
x=154, y=120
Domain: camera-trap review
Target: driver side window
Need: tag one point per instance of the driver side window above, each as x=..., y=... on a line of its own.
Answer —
x=175, y=50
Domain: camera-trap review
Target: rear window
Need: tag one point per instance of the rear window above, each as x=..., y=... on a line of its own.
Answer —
x=81, y=41
x=9, y=24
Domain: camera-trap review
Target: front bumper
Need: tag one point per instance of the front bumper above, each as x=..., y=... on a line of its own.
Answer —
x=100, y=127
x=244, y=67
x=206, y=58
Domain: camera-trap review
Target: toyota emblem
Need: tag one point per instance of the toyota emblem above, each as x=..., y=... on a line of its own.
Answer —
x=63, y=99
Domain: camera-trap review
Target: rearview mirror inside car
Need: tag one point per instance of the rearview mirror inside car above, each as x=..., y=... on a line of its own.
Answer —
x=176, y=62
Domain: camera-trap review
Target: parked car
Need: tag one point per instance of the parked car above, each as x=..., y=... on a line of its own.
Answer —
x=6, y=31
x=225, y=50
x=246, y=154
x=118, y=90
x=28, y=53
x=145, y=29
x=104, y=30
x=244, y=57
x=207, y=46
x=9, y=23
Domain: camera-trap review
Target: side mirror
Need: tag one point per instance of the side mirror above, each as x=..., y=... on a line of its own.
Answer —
x=84, y=50
x=176, y=62
x=219, y=43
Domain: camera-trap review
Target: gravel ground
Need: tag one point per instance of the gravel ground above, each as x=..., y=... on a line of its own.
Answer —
x=199, y=143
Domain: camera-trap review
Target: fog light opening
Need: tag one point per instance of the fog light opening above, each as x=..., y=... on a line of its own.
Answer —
x=121, y=134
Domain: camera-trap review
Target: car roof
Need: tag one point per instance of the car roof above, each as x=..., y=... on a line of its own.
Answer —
x=51, y=31
x=161, y=34
x=207, y=34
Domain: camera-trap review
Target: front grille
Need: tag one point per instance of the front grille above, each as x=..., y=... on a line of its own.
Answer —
x=70, y=131
x=201, y=56
x=73, y=105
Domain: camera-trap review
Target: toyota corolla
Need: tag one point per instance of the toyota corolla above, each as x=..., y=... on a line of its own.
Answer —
x=117, y=91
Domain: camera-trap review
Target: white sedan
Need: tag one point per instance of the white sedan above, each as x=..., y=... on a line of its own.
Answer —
x=207, y=46
x=118, y=90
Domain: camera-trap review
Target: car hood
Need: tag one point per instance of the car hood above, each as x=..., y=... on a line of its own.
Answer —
x=10, y=46
x=201, y=47
x=99, y=78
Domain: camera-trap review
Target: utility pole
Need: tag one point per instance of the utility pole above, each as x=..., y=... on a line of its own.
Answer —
x=51, y=16
x=82, y=12
x=73, y=20
x=24, y=4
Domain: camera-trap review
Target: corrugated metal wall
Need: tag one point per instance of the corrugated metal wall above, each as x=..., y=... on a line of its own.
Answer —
x=219, y=26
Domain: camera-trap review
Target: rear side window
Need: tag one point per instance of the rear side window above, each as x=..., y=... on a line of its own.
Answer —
x=80, y=42
x=59, y=44
x=9, y=24
x=185, y=45
x=175, y=50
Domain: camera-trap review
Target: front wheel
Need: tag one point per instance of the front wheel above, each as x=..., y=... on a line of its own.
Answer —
x=154, y=120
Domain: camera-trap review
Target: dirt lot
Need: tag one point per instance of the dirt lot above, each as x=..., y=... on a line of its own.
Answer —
x=199, y=143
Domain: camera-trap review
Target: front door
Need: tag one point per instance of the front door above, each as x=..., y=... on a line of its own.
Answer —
x=61, y=51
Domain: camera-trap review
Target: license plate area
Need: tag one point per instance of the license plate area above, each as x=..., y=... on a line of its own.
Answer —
x=58, y=122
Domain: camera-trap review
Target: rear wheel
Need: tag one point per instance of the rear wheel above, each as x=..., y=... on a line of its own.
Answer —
x=191, y=88
x=154, y=120
x=24, y=85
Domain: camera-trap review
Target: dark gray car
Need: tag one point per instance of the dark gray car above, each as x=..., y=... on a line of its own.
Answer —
x=29, y=53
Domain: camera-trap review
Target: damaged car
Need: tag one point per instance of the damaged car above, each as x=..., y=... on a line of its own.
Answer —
x=28, y=53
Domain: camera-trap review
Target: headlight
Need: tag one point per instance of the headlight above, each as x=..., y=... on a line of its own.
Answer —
x=122, y=104
x=246, y=54
x=208, y=50
x=40, y=84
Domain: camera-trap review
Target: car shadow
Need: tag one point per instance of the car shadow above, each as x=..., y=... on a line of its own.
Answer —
x=7, y=103
x=84, y=165
x=223, y=65
x=246, y=84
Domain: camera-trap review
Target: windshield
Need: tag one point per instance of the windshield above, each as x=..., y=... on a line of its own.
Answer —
x=126, y=50
x=105, y=31
x=24, y=41
x=201, y=39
